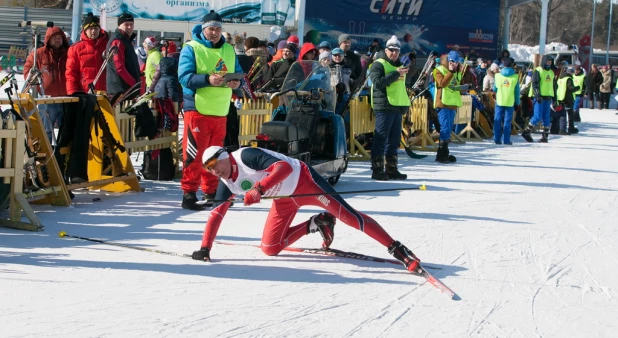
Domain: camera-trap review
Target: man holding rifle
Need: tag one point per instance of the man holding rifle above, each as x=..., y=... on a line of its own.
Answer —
x=258, y=173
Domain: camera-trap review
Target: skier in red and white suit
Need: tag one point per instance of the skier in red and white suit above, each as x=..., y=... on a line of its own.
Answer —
x=257, y=172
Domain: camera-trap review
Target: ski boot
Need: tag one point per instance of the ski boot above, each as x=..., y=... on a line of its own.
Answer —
x=202, y=254
x=207, y=200
x=189, y=201
x=324, y=223
x=405, y=256
x=526, y=134
x=391, y=169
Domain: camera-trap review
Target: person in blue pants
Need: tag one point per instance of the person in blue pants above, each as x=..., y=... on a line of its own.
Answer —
x=506, y=88
x=543, y=90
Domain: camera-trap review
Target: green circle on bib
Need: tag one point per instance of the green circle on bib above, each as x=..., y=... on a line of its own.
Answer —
x=246, y=185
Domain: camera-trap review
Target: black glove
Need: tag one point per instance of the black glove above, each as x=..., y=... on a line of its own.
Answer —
x=539, y=99
x=202, y=254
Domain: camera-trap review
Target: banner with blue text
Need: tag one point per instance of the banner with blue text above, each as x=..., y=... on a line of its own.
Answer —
x=420, y=26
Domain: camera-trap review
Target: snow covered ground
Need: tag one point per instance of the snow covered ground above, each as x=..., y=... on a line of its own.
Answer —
x=523, y=233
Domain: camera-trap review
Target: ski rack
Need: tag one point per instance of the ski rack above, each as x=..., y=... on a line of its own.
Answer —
x=97, y=178
x=56, y=194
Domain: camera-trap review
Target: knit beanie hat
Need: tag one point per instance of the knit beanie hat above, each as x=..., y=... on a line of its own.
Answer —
x=294, y=39
x=212, y=19
x=292, y=47
x=150, y=41
x=252, y=42
x=393, y=43
x=281, y=44
x=344, y=37
x=125, y=17
x=325, y=55
x=90, y=20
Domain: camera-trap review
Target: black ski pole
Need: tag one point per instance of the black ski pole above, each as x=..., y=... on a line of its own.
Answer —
x=422, y=187
x=63, y=234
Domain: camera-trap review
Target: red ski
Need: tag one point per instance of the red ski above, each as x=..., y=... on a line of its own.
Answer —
x=436, y=283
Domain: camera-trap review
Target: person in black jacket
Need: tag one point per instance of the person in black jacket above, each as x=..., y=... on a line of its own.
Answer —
x=124, y=71
x=593, y=84
x=388, y=76
x=168, y=85
x=351, y=59
x=279, y=69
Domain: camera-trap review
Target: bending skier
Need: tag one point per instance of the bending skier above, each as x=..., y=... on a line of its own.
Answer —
x=257, y=172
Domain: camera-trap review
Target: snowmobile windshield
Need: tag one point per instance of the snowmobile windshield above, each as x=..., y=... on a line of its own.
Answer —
x=307, y=77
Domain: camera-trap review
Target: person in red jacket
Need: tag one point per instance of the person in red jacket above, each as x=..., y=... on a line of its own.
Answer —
x=51, y=60
x=85, y=57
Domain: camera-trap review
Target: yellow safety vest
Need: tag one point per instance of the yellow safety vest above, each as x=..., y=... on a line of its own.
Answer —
x=546, y=85
x=562, y=88
x=578, y=80
x=213, y=100
x=505, y=96
x=449, y=97
x=396, y=92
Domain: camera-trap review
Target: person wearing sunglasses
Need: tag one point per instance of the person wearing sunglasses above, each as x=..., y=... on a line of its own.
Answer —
x=257, y=173
x=390, y=102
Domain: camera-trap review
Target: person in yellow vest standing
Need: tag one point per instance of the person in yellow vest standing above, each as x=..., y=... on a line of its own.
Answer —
x=506, y=87
x=566, y=97
x=579, y=79
x=447, y=99
x=204, y=61
x=543, y=91
x=389, y=101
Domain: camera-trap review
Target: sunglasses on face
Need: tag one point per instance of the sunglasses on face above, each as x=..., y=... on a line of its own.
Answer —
x=212, y=161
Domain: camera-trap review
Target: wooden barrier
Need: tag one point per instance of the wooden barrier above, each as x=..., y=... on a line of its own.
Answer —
x=361, y=122
x=251, y=117
x=420, y=123
x=56, y=193
x=12, y=139
x=464, y=116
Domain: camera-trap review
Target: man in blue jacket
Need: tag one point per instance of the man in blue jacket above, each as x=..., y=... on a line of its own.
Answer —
x=203, y=64
x=506, y=87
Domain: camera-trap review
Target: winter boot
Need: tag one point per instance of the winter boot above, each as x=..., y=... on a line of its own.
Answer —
x=377, y=168
x=526, y=133
x=450, y=157
x=391, y=168
x=443, y=154
x=405, y=256
x=324, y=223
x=545, y=137
x=189, y=201
x=202, y=254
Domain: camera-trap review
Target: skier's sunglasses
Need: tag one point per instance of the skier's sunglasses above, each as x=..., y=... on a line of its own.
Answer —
x=212, y=161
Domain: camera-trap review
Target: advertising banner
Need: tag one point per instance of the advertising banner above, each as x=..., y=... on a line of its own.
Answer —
x=421, y=26
x=265, y=12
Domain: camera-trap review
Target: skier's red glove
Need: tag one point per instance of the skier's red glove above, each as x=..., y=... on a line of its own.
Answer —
x=254, y=195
